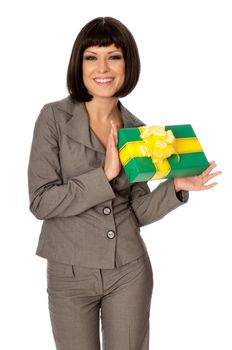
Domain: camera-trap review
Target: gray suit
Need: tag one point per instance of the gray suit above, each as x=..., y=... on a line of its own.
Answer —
x=90, y=236
x=88, y=221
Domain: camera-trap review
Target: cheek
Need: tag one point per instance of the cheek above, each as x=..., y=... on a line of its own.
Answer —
x=123, y=71
x=86, y=73
x=86, y=70
x=123, y=75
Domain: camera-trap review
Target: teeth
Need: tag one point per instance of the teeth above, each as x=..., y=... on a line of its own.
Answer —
x=103, y=80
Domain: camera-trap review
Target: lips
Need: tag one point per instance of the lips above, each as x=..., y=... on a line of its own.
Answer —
x=103, y=81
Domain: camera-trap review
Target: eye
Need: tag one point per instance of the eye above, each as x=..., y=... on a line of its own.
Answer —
x=90, y=58
x=115, y=57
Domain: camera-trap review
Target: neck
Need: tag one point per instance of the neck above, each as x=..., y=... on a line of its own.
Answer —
x=102, y=109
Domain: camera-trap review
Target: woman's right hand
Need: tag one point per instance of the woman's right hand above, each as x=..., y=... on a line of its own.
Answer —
x=112, y=165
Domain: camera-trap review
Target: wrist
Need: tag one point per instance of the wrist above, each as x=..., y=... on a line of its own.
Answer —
x=107, y=175
x=177, y=185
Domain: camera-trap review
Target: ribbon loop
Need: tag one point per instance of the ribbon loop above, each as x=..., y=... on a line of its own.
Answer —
x=158, y=143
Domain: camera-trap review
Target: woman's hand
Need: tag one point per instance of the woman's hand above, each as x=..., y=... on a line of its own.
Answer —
x=197, y=183
x=112, y=165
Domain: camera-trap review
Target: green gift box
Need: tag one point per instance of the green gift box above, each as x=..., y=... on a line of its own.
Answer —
x=140, y=165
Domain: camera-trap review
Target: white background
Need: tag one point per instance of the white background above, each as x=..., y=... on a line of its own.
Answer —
x=186, y=77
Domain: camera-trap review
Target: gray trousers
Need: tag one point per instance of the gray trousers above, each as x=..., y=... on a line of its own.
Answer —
x=79, y=296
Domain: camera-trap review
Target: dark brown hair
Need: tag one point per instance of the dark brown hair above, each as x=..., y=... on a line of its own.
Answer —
x=103, y=31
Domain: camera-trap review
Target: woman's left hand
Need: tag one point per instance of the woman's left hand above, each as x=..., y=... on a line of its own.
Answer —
x=197, y=183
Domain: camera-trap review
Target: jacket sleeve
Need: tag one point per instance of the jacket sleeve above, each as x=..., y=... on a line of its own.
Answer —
x=150, y=206
x=49, y=197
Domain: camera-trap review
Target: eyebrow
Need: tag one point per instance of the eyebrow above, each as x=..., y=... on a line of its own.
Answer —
x=107, y=52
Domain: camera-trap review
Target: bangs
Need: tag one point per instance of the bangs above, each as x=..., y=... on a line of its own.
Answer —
x=103, y=34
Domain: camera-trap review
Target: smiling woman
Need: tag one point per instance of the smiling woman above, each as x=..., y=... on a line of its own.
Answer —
x=97, y=260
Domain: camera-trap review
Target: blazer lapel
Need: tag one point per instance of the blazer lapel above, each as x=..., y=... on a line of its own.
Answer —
x=78, y=127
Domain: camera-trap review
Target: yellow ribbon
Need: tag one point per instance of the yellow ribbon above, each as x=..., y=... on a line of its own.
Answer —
x=159, y=145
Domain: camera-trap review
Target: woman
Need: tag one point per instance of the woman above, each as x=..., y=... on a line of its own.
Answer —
x=97, y=261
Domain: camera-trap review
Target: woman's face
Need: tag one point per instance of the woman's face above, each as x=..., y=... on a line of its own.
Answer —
x=103, y=70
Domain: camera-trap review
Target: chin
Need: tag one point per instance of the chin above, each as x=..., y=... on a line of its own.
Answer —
x=102, y=95
x=103, y=92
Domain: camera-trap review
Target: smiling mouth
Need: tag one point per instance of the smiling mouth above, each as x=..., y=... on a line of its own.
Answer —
x=103, y=81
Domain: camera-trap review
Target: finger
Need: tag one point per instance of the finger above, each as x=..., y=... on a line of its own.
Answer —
x=114, y=124
x=209, y=169
x=210, y=176
x=110, y=134
x=116, y=136
x=115, y=132
x=110, y=139
x=207, y=187
x=113, y=142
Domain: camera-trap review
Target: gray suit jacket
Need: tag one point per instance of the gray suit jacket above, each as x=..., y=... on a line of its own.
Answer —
x=88, y=220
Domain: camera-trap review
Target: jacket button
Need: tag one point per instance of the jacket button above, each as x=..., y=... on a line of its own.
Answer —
x=110, y=234
x=106, y=210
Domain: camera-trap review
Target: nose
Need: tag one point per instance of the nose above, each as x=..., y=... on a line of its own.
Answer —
x=103, y=65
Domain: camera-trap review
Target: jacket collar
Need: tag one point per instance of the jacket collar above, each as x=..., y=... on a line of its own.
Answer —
x=78, y=127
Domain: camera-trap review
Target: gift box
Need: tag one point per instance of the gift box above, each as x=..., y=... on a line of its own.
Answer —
x=156, y=152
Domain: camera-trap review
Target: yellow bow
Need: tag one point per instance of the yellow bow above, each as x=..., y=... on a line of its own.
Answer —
x=159, y=144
